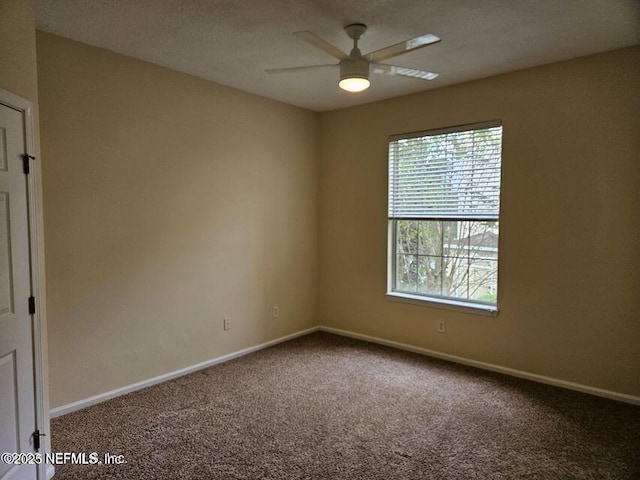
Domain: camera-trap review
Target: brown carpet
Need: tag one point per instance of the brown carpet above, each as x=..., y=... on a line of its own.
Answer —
x=327, y=407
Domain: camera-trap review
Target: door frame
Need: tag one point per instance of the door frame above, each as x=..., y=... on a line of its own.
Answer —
x=42, y=420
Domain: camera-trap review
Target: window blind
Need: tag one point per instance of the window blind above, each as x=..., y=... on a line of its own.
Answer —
x=451, y=173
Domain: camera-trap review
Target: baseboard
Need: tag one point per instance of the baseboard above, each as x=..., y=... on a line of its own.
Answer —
x=622, y=397
x=87, y=402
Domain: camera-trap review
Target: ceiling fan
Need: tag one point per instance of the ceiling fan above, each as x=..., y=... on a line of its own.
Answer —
x=355, y=67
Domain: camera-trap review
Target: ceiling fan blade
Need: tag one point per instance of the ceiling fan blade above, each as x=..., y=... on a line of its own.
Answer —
x=402, y=71
x=402, y=47
x=299, y=69
x=322, y=45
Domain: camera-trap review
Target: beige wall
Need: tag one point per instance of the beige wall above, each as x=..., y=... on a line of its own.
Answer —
x=569, y=289
x=18, y=72
x=170, y=203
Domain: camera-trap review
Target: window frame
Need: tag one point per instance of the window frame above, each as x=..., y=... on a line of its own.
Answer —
x=443, y=302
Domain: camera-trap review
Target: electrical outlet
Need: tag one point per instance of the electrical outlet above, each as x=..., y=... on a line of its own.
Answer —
x=227, y=323
x=441, y=327
x=275, y=313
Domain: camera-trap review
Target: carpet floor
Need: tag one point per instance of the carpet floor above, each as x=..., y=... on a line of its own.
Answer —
x=328, y=407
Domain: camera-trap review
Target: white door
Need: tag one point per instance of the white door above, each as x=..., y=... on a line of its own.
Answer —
x=17, y=399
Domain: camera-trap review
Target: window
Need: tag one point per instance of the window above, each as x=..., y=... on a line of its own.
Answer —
x=444, y=205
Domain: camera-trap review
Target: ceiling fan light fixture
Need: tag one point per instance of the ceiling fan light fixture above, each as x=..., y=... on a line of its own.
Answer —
x=354, y=75
x=356, y=67
x=354, y=84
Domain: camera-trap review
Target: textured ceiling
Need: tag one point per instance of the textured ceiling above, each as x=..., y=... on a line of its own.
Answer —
x=232, y=42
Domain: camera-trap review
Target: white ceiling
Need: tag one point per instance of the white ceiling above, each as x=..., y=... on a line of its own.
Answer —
x=232, y=42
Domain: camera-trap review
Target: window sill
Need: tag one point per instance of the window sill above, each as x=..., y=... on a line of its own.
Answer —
x=463, y=307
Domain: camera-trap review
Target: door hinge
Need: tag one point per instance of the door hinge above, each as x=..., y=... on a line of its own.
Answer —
x=25, y=163
x=32, y=305
x=36, y=439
